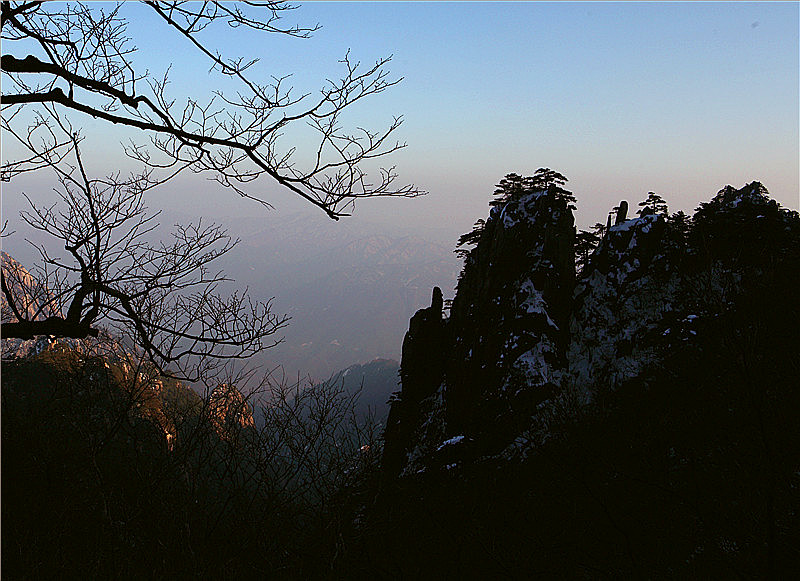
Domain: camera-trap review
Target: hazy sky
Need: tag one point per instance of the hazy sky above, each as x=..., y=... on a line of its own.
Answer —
x=622, y=98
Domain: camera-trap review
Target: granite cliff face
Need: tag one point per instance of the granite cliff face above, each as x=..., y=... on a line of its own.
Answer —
x=527, y=347
x=471, y=381
x=229, y=411
x=32, y=301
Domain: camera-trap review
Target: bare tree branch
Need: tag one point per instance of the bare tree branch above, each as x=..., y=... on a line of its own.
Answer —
x=165, y=296
x=77, y=58
x=88, y=53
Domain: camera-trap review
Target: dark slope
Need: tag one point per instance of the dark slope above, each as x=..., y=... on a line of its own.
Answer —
x=657, y=439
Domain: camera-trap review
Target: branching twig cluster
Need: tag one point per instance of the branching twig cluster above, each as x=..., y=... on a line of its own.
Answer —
x=80, y=59
x=165, y=295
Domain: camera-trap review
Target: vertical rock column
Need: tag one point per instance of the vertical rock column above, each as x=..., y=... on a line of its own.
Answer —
x=421, y=372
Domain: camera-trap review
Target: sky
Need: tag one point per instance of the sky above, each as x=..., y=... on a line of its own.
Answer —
x=622, y=98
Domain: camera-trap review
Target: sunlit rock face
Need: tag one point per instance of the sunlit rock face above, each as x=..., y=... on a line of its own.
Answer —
x=529, y=347
x=133, y=377
x=34, y=301
x=229, y=411
x=31, y=300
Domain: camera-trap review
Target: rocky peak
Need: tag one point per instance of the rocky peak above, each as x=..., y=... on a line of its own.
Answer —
x=509, y=316
x=622, y=294
x=525, y=341
x=473, y=378
x=729, y=197
x=628, y=246
x=622, y=213
x=743, y=226
x=422, y=371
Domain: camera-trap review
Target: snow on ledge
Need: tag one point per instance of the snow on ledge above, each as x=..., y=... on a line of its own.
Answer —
x=451, y=442
x=643, y=221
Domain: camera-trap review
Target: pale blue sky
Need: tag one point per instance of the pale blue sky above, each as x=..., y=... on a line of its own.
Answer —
x=622, y=98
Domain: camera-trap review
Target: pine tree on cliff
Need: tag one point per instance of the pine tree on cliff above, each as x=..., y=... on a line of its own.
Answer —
x=654, y=204
x=544, y=177
x=514, y=185
x=511, y=186
x=585, y=243
x=547, y=179
x=681, y=223
x=470, y=239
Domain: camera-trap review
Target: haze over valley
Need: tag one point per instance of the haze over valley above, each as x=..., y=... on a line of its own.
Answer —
x=349, y=287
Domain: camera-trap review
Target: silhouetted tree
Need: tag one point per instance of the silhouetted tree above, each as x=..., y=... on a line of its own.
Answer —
x=164, y=296
x=599, y=230
x=612, y=217
x=509, y=187
x=470, y=238
x=544, y=177
x=678, y=227
x=78, y=57
x=552, y=181
x=514, y=185
x=585, y=243
x=654, y=204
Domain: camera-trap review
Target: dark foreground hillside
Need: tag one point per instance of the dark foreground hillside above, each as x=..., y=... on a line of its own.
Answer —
x=692, y=475
x=112, y=473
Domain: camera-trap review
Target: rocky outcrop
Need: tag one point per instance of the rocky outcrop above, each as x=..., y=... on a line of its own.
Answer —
x=526, y=347
x=471, y=381
x=509, y=319
x=424, y=355
x=31, y=301
x=229, y=411
x=621, y=298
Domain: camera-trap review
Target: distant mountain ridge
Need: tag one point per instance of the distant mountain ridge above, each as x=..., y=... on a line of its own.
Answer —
x=375, y=382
